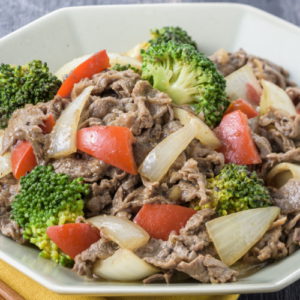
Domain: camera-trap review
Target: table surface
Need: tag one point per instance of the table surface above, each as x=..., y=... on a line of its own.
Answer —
x=16, y=13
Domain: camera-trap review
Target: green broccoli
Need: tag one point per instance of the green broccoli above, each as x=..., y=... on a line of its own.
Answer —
x=188, y=77
x=235, y=188
x=170, y=33
x=19, y=85
x=45, y=199
x=119, y=67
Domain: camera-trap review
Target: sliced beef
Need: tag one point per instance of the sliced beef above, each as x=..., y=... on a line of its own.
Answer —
x=10, y=228
x=84, y=261
x=206, y=268
x=263, y=145
x=188, y=252
x=287, y=197
x=90, y=169
x=294, y=93
x=165, y=277
x=263, y=69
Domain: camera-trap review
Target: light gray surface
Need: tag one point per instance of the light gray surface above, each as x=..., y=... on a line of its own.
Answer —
x=16, y=13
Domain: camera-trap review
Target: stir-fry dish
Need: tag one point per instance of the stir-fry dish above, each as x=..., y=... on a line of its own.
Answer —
x=159, y=164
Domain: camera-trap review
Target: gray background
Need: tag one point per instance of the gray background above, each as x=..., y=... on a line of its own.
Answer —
x=16, y=13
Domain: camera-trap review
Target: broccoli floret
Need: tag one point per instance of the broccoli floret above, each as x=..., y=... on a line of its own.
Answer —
x=119, y=67
x=19, y=85
x=235, y=188
x=188, y=77
x=170, y=33
x=45, y=199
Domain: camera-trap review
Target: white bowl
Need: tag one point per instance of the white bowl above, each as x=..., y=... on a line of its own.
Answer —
x=71, y=32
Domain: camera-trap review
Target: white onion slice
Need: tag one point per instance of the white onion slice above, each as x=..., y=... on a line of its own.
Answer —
x=282, y=173
x=114, y=58
x=235, y=234
x=123, y=265
x=243, y=84
x=121, y=231
x=63, y=135
x=5, y=159
x=135, y=52
x=205, y=135
x=159, y=160
x=275, y=97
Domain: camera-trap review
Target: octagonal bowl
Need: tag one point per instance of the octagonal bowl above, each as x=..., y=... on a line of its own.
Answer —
x=70, y=32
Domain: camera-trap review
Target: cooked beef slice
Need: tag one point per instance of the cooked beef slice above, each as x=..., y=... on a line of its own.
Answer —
x=294, y=94
x=263, y=69
x=187, y=252
x=10, y=228
x=85, y=260
x=287, y=197
x=263, y=145
x=26, y=124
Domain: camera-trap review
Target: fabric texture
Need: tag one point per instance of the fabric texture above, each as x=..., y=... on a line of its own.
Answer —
x=31, y=290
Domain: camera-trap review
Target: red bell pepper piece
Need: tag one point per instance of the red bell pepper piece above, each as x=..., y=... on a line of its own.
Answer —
x=48, y=124
x=160, y=219
x=22, y=159
x=237, y=143
x=73, y=238
x=112, y=144
x=243, y=106
x=252, y=94
x=94, y=64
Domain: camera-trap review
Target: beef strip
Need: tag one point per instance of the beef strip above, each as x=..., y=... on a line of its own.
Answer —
x=10, y=228
x=263, y=145
x=287, y=197
x=263, y=69
x=85, y=260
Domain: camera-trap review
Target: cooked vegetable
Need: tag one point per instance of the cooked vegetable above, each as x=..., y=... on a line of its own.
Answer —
x=114, y=60
x=94, y=64
x=205, y=135
x=170, y=33
x=19, y=85
x=123, y=265
x=135, y=52
x=160, y=158
x=64, y=134
x=5, y=160
x=188, y=77
x=73, y=238
x=22, y=159
x=49, y=123
x=159, y=220
x=46, y=199
x=275, y=97
x=237, y=143
x=282, y=173
x=243, y=106
x=121, y=231
x=243, y=84
x=235, y=188
x=235, y=234
x=112, y=144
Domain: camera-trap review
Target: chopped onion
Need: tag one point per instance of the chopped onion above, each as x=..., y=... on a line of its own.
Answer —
x=114, y=58
x=275, y=97
x=205, y=135
x=123, y=265
x=159, y=160
x=63, y=135
x=121, y=231
x=135, y=52
x=243, y=84
x=5, y=159
x=235, y=234
x=282, y=173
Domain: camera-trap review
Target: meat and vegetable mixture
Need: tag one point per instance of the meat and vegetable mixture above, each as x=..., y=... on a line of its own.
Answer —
x=153, y=164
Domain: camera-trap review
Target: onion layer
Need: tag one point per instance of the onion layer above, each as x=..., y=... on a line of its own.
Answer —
x=282, y=173
x=275, y=97
x=205, y=135
x=121, y=231
x=235, y=234
x=5, y=159
x=63, y=135
x=123, y=265
x=159, y=160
